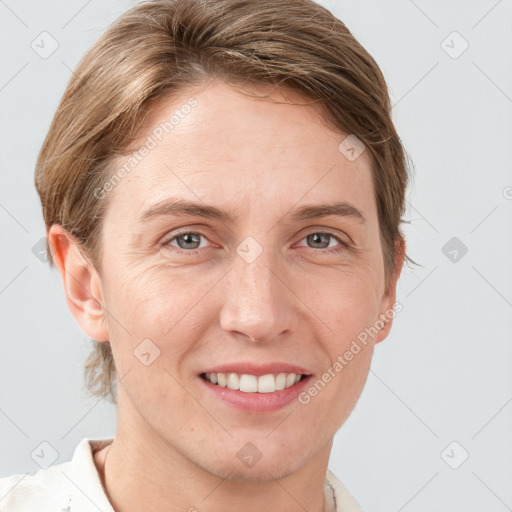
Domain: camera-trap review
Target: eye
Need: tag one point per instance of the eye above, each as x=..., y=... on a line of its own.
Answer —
x=319, y=239
x=187, y=241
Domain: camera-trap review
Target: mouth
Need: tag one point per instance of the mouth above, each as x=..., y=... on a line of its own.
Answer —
x=257, y=388
x=247, y=383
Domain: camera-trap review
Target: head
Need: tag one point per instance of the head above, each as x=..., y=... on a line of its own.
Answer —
x=263, y=114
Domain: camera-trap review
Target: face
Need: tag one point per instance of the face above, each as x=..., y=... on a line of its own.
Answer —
x=256, y=280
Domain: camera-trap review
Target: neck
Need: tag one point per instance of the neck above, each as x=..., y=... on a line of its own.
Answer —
x=146, y=474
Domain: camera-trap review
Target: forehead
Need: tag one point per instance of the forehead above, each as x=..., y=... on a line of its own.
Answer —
x=218, y=145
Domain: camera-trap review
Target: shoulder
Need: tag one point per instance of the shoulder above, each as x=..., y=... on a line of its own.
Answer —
x=345, y=502
x=56, y=488
x=45, y=491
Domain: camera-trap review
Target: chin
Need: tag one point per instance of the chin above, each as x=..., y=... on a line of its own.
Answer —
x=249, y=464
x=260, y=472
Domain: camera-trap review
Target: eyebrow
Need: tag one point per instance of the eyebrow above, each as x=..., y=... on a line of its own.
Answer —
x=176, y=207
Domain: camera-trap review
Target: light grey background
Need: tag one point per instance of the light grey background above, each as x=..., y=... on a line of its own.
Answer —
x=443, y=374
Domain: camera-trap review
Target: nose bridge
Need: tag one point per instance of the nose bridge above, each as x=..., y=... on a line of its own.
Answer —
x=256, y=302
x=255, y=277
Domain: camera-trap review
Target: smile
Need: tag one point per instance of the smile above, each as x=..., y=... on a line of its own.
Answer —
x=247, y=383
x=257, y=388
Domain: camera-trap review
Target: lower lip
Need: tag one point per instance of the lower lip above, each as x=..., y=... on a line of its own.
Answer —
x=257, y=402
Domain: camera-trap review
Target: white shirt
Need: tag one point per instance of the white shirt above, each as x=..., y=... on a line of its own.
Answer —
x=75, y=486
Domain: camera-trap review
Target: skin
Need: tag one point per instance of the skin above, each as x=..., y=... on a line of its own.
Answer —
x=175, y=447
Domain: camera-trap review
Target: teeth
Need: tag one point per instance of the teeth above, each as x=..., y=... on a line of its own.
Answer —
x=248, y=383
x=221, y=379
x=280, y=381
x=233, y=381
x=290, y=380
x=266, y=383
x=253, y=384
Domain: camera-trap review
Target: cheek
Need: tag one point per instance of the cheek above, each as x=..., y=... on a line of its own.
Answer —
x=352, y=305
x=154, y=304
x=144, y=296
x=349, y=305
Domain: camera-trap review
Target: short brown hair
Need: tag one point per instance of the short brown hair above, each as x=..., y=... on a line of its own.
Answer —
x=161, y=47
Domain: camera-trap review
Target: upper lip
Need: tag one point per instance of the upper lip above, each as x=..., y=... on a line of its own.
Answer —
x=257, y=369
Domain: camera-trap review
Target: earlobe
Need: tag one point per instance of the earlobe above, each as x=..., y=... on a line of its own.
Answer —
x=82, y=284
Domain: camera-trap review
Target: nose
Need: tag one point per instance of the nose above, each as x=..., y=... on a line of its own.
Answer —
x=258, y=303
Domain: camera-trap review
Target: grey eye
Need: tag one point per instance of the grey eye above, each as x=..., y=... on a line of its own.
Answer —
x=316, y=238
x=187, y=240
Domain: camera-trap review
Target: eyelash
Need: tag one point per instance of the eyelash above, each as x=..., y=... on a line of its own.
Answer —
x=343, y=246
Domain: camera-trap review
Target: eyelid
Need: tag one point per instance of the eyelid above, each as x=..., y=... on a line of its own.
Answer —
x=343, y=245
x=341, y=235
x=168, y=239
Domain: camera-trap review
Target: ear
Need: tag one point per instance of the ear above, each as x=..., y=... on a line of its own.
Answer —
x=82, y=283
x=388, y=308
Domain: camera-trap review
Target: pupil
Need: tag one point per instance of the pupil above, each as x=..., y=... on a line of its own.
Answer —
x=317, y=238
x=189, y=239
